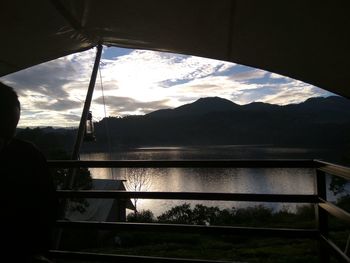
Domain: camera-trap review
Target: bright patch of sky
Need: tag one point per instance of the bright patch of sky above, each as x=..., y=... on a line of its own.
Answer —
x=139, y=82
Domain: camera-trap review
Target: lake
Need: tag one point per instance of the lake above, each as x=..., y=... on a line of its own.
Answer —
x=230, y=180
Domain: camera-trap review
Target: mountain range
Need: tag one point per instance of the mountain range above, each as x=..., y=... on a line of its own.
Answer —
x=217, y=121
x=316, y=123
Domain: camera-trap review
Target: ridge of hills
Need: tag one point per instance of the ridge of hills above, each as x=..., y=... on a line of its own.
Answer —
x=218, y=121
x=316, y=123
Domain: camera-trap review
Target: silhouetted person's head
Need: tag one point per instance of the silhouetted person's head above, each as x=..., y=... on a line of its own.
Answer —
x=9, y=113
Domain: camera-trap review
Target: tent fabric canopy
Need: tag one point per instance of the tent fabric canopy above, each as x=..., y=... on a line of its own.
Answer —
x=304, y=40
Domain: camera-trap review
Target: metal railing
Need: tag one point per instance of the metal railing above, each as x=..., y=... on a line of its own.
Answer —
x=323, y=207
x=326, y=208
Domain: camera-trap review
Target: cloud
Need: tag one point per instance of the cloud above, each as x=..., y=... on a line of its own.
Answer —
x=221, y=86
x=277, y=76
x=126, y=105
x=50, y=87
x=291, y=92
x=138, y=82
x=51, y=78
x=149, y=68
x=154, y=76
x=242, y=91
x=248, y=75
x=58, y=105
x=74, y=118
x=48, y=118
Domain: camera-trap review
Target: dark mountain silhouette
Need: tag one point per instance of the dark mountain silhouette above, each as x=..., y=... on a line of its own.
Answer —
x=199, y=107
x=315, y=123
x=258, y=106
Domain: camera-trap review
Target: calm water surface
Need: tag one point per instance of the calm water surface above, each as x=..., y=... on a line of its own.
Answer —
x=230, y=180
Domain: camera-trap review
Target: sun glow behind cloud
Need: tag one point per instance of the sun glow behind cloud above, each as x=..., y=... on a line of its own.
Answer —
x=138, y=82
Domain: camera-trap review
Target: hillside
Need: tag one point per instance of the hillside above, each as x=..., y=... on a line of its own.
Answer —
x=316, y=123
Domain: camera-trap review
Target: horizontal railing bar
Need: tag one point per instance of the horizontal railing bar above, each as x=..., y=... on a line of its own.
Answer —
x=214, y=230
x=334, y=169
x=278, y=163
x=335, y=210
x=74, y=255
x=335, y=250
x=189, y=196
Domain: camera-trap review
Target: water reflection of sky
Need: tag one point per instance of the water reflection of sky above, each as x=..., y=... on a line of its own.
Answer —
x=229, y=180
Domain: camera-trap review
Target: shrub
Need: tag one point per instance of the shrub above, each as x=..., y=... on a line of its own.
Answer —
x=144, y=216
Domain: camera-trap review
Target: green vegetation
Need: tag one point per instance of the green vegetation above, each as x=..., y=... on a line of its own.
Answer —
x=257, y=216
x=205, y=246
x=214, y=246
x=224, y=247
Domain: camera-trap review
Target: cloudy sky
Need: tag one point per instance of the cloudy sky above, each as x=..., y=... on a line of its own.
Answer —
x=137, y=82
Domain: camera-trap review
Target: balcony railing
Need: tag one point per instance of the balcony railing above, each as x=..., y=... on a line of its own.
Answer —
x=324, y=208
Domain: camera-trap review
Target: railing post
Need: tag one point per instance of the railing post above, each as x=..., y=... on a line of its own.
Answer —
x=321, y=215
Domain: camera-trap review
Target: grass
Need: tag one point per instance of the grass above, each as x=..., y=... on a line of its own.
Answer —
x=215, y=247
x=224, y=247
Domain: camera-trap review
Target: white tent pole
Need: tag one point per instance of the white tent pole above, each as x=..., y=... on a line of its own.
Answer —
x=80, y=134
x=79, y=139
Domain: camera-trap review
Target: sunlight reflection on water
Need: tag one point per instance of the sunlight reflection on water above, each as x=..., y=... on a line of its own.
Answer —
x=229, y=180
